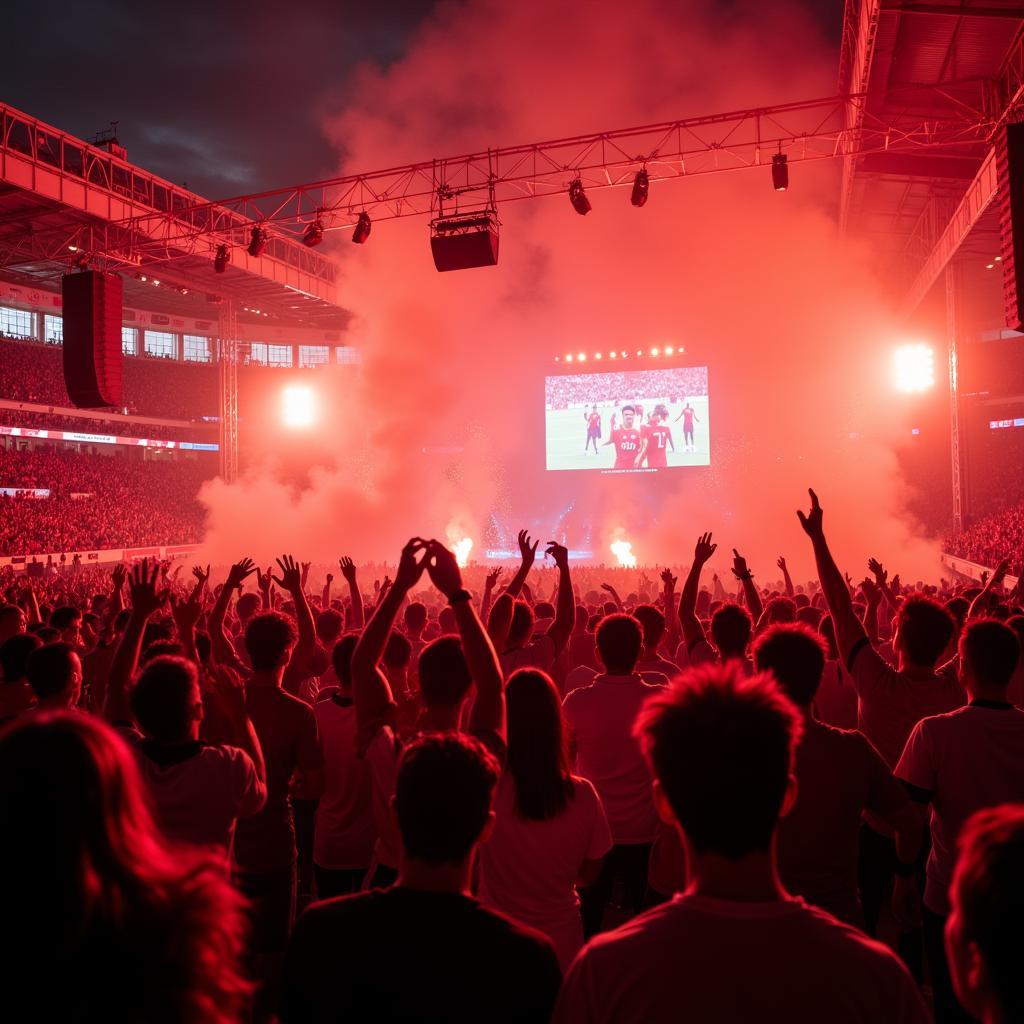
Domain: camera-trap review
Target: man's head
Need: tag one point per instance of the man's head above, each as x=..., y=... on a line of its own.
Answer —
x=731, y=627
x=721, y=748
x=795, y=655
x=984, y=941
x=14, y=655
x=269, y=639
x=54, y=672
x=415, y=619
x=247, y=606
x=341, y=659
x=652, y=622
x=989, y=653
x=443, y=795
x=446, y=620
x=521, y=629
x=397, y=652
x=444, y=674
x=544, y=610
x=166, y=702
x=12, y=621
x=628, y=413
x=923, y=629
x=68, y=621
x=328, y=626
x=619, y=639
x=780, y=609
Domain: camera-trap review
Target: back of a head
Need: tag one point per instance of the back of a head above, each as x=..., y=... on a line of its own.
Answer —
x=809, y=616
x=522, y=624
x=795, y=656
x=652, y=622
x=247, y=606
x=268, y=639
x=162, y=649
x=341, y=659
x=164, y=698
x=446, y=620
x=582, y=619
x=827, y=630
x=988, y=905
x=721, y=746
x=415, y=617
x=443, y=796
x=544, y=610
x=397, y=651
x=51, y=669
x=64, y=617
x=14, y=655
x=925, y=628
x=619, y=639
x=444, y=674
x=328, y=626
x=989, y=652
x=731, y=627
x=781, y=609
x=12, y=620
x=538, y=756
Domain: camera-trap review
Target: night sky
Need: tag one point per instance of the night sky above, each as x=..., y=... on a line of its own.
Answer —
x=226, y=98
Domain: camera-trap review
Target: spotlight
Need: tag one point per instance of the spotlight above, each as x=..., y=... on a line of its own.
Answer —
x=655, y=351
x=639, y=351
x=143, y=278
x=298, y=407
x=582, y=357
x=558, y=359
x=568, y=358
x=578, y=198
x=361, y=232
x=780, y=172
x=72, y=248
x=613, y=355
x=314, y=234
x=990, y=266
x=597, y=355
x=221, y=259
x=669, y=350
x=641, y=186
x=258, y=241
x=914, y=368
x=461, y=550
x=183, y=290
x=156, y=282
x=625, y=355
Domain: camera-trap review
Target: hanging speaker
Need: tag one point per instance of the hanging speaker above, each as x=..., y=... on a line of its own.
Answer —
x=1010, y=191
x=462, y=242
x=93, y=359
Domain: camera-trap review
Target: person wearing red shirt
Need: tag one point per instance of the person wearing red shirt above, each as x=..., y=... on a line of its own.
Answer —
x=658, y=435
x=688, y=416
x=593, y=419
x=627, y=440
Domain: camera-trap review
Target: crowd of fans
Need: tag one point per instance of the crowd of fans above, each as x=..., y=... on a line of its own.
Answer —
x=987, y=540
x=203, y=432
x=98, y=501
x=548, y=794
x=563, y=392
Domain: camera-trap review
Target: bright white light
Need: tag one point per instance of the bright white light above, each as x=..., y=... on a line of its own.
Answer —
x=623, y=551
x=582, y=357
x=669, y=350
x=462, y=549
x=299, y=407
x=568, y=358
x=913, y=368
x=597, y=355
x=655, y=351
x=613, y=355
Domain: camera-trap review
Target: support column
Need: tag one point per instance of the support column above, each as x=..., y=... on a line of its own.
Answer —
x=953, y=329
x=228, y=372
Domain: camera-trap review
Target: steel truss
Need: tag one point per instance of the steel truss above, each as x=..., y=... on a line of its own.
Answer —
x=228, y=373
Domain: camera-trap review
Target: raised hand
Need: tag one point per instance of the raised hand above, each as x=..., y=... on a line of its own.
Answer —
x=291, y=575
x=443, y=568
x=608, y=588
x=186, y=612
x=527, y=551
x=348, y=568
x=409, y=569
x=202, y=578
x=330, y=579
x=876, y=568
x=305, y=573
x=264, y=579
x=704, y=549
x=781, y=563
x=739, y=565
x=812, y=521
x=896, y=585
x=240, y=572
x=668, y=579
x=142, y=589
x=493, y=576
x=872, y=592
x=119, y=575
x=559, y=553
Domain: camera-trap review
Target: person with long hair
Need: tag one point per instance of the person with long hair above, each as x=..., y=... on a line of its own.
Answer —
x=103, y=920
x=550, y=833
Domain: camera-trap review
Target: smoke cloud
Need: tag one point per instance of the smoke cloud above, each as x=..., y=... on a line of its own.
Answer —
x=445, y=424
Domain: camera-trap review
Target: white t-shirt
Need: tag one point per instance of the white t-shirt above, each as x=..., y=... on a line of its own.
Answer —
x=528, y=868
x=199, y=791
x=708, y=960
x=966, y=760
x=345, y=830
x=601, y=718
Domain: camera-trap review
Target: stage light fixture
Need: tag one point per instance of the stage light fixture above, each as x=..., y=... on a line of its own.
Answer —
x=582, y=357
x=361, y=232
x=639, y=351
x=568, y=358
x=655, y=351
x=780, y=172
x=612, y=355
x=625, y=355
x=156, y=283
x=314, y=234
x=143, y=278
x=578, y=198
x=641, y=186
x=221, y=259
x=669, y=350
x=72, y=248
x=990, y=266
x=258, y=241
x=298, y=408
x=913, y=368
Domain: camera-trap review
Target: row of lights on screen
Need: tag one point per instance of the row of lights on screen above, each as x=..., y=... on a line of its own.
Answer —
x=655, y=352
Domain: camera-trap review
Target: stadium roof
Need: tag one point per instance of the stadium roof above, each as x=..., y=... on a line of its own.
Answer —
x=918, y=210
x=65, y=201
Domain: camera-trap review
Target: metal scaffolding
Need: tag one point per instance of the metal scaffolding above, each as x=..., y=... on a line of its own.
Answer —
x=228, y=371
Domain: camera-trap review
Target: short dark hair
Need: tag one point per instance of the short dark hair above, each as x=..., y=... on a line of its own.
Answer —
x=991, y=650
x=628, y=408
x=415, y=615
x=63, y=617
x=267, y=637
x=161, y=648
x=521, y=627
x=328, y=625
x=446, y=620
x=781, y=609
x=721, y=746
x=247, y=605
x=341, y=658
x=163, y=696
x=619, y=639
x=795, y=655
x=988, y=892
x=731, y=627
x=444, y=674
x=50, y=668
x=443, y=796
x=652, y=622
x=14, y=655
x=543, y=610
x=398, y=650
x=926, y=628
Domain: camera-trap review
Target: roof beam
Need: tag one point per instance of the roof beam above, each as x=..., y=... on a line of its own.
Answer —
x=975, y=201
x=948, y=10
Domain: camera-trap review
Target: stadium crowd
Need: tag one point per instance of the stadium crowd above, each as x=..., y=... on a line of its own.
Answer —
x=545, y=794
x=563, y=392
x=119, y=427
x=98, y=501
x=988, y=539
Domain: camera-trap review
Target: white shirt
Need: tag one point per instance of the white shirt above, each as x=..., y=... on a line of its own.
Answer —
x=708, y=960
x=967, y=760
x=528, y=868
x=345, y=830
x=601, y=718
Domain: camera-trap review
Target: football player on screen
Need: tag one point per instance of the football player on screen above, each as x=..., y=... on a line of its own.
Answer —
x=628, y=442
x=658, y=439
x=688, y=416
x=593, y=421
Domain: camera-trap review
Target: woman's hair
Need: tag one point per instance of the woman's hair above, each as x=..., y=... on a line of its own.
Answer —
x=103, y=919
x=538, y=755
